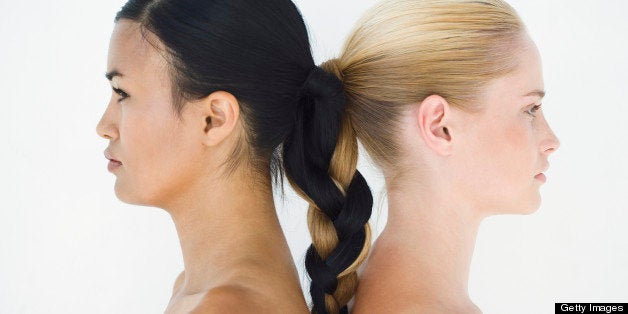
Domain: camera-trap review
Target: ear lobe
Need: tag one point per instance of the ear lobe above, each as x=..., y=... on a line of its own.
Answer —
x=433, y=118
x=221, y=112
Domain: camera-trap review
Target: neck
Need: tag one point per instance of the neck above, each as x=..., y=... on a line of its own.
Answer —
x=433, y=234
x=221, y=225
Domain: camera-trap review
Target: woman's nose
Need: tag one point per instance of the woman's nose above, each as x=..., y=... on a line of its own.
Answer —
x=550, y=143
x=106, y=127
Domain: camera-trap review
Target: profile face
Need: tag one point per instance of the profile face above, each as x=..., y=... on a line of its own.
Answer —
x=157, y=151
x=506, y=146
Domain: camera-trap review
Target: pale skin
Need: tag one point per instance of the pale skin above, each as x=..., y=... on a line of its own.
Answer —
x=458, y=168
x=235, y=255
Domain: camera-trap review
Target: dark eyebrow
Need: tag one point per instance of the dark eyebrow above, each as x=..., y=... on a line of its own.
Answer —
x=536, y=92
x=112, y=74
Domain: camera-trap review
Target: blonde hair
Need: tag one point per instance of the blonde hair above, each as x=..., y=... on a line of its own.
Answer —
x=403, y=51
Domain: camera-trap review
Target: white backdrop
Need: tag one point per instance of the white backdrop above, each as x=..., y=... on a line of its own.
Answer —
x=67, y=245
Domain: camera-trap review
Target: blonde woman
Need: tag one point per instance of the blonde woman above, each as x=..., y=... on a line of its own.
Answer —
x=446, y=98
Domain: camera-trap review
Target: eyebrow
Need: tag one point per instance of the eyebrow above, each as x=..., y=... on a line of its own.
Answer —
x=537, y=92
x=112, y=74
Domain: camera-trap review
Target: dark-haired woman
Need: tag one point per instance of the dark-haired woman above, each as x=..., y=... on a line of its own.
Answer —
x=204, y=96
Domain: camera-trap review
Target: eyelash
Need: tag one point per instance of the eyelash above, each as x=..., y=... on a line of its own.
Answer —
x=534, y=109
x=123, y=94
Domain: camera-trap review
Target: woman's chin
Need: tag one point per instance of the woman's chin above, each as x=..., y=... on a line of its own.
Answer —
x=530, y=207
x=527, y=206
x=530, y=211
x=128, y=196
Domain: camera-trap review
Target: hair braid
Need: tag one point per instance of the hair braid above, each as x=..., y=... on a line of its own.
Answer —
x=320, y=160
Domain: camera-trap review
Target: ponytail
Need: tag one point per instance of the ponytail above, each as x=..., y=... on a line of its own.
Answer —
x=320, y=160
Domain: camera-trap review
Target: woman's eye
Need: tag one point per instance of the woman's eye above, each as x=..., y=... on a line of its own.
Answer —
x=123, y=94
x=533, y=110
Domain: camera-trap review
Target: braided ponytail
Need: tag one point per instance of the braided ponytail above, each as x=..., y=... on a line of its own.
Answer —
x=320, y=159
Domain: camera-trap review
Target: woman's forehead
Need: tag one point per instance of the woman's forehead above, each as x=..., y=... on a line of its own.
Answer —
x=131, y=55
x=525, y=81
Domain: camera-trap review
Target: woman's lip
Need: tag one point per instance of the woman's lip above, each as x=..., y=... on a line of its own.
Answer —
x=108, y=156
x=113, y=165
x=541, y=177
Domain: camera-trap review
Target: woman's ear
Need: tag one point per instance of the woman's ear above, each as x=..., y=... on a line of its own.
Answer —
x=221, y=112
x=433, y=120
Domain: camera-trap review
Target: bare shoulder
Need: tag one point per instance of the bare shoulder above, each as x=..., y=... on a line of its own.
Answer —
x=240, y=299
x=385, y=297
x=226, y=299
x=410, y=307
x=178, y=282
x=386, y=287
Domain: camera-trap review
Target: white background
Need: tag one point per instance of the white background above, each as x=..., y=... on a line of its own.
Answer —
x=67, y=245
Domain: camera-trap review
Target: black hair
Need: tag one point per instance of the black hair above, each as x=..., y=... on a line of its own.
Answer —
x=259, y=51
